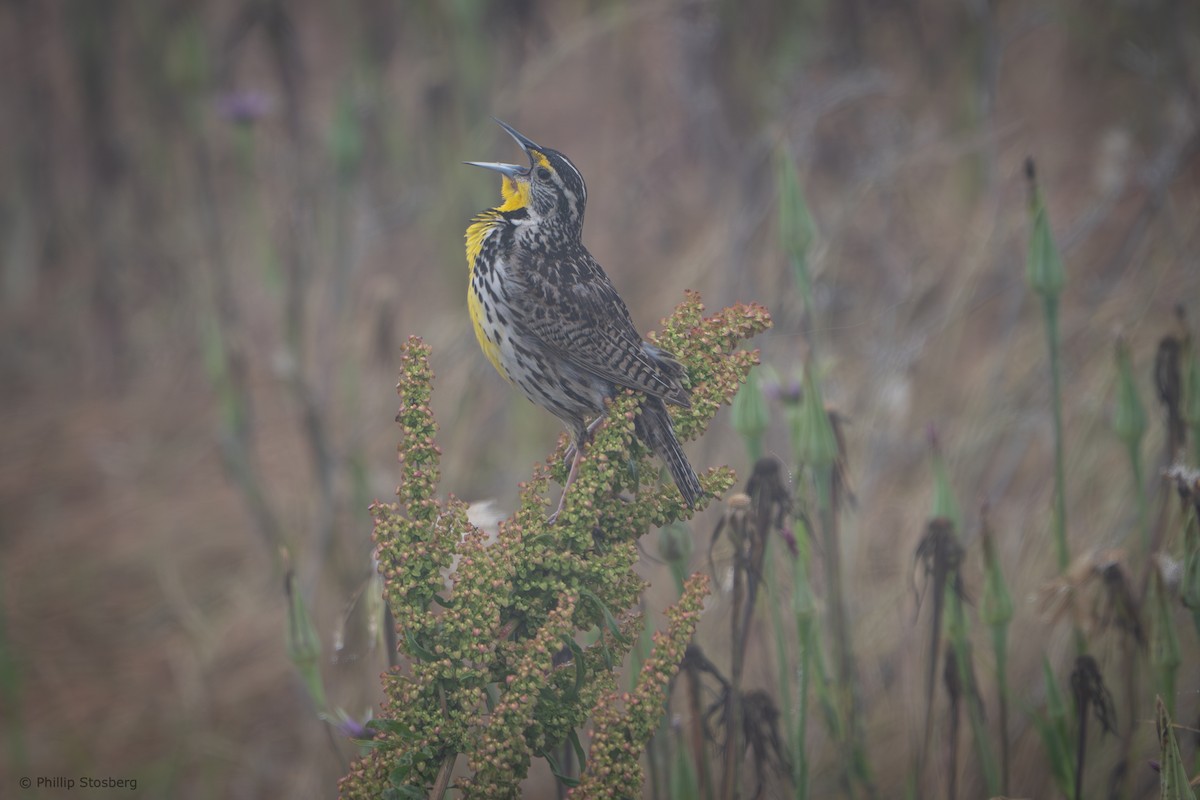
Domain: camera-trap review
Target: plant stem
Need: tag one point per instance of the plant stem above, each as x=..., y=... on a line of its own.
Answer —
x=442, y=783
x=799, y=752
x=843, y=655
x=1081, y=750
x=731, y=780
x=1139, y=491
x=782, y=662
x=1060, y=511
x=1001, y=649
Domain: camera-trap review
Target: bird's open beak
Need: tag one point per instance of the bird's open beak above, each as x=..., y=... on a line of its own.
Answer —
x=526, y=143
x=510, y=170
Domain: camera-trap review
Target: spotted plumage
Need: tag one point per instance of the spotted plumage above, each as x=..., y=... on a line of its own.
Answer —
x=549, y=319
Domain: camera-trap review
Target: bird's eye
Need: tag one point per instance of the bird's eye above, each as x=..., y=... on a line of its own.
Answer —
x=543, y=174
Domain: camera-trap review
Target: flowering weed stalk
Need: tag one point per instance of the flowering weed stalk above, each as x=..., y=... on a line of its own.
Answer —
x=493, y=669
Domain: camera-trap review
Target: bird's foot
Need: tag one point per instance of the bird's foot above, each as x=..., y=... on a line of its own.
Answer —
x=574, y=447
x=576, y=457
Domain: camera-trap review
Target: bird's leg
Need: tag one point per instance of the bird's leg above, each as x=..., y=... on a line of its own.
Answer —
x=591, y=428
x=573, y=448
x=567, y=486
x=575, y=455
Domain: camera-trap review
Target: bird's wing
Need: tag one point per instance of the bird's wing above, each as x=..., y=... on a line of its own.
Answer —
x=571, y=306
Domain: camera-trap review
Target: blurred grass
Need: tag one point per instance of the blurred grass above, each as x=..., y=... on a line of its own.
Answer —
x=219, y=222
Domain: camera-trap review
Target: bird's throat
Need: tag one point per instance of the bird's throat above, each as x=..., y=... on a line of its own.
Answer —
x=516, y=197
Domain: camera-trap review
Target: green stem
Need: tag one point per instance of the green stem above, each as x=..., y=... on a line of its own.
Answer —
x=782, y=662
x=799, y=752
x=1000, y=646
x=1060, y=516
x=983, y=746
x=1135, y=464
x=846, y=700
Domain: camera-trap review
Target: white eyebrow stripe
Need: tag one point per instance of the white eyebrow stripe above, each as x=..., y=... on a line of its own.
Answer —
x=578, y=175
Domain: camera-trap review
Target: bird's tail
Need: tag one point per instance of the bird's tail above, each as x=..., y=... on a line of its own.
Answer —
x=653, y=426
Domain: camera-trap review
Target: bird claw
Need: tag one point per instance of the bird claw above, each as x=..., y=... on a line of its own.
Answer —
x=574, y=457
x=553, y=518
x=591, y=428
x=573, y=447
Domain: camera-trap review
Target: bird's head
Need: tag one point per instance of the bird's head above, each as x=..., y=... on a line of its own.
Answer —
x=550, y=189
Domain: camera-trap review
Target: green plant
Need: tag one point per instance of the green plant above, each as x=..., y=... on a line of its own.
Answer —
x=1044, y=270
x=489, y=629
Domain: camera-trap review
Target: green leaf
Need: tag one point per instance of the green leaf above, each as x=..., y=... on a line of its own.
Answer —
x=683, y=782
x=304, y=643
x=580, y=667
x=399, y=774
x=1173, y=777
x=404, y=792
x=1165, y=655
x=610, y=621
x=1053, y=730
x=573, y=738
x=1129, y=416
x=750, y=414
x=415, y=649
x=491, y=694
x=394, y=727
x=1043, y=267
x=797, y=231
x=816, y=443
x=996, y=605
x=563, y=777
x=945, y=504
x=675, y=547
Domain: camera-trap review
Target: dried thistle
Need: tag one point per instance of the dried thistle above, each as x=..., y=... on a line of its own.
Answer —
x=1091, y=695
x=1103, y=578
x=760, y=732
x=1168, y=381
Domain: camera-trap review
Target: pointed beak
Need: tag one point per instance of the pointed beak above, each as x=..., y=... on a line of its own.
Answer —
x=508, y=170
x=526, y=143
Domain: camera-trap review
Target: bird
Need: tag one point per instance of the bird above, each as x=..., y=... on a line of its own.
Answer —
x=550, y=321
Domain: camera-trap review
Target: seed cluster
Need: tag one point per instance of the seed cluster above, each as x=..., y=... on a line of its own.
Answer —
x=492, y=630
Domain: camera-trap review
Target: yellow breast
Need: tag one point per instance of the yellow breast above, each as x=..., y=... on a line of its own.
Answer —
x=516, y=195
x=478, y=321
x=481, y=226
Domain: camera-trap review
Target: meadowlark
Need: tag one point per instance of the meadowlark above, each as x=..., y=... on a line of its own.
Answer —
x=549, y=319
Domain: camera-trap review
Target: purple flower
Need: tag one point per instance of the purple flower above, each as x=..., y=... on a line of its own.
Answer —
x=354, y=729
x=244, y=107
x=789, y=538
x=931, y=436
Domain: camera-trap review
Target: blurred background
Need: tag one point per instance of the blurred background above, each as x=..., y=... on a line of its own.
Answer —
x=219, y=221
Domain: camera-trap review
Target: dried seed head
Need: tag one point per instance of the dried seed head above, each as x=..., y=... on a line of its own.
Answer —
x=738, y=501
x=1091, y=694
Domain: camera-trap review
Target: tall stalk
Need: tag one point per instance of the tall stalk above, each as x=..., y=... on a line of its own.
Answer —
x=996, y=611
x=1050, y=313
x=1129, y=422
x=1044, y=270
x=818, y=448
x=783, y=661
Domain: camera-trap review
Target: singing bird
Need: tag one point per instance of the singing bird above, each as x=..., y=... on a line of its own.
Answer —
x=549, y=319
